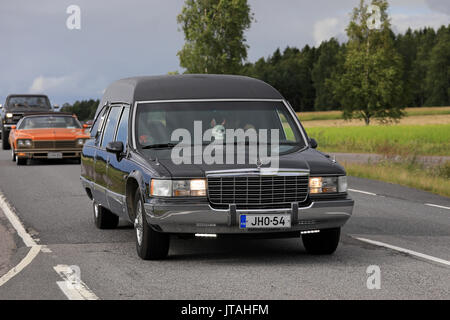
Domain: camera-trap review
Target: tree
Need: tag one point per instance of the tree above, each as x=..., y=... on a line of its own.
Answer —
x=371, y=85
x=85, y=109
x=214, y=34
x=323, y=69
x=438, y=76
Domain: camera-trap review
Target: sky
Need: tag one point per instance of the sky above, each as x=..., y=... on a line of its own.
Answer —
x=118, y=39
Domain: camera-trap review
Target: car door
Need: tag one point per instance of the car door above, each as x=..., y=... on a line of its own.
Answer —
x=101, y=156
x=117, y=166
x=90, y=148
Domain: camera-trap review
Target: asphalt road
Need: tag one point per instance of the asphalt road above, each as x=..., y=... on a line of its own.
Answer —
x=48, y=199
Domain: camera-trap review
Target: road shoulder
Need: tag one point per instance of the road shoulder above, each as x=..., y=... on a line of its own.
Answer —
x=8, y=244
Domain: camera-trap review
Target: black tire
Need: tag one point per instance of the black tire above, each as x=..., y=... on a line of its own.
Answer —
x=21, y=161
x=150, y=244
x=5, y=142
x=324, y=242
x=13, y=155
x=103, y=218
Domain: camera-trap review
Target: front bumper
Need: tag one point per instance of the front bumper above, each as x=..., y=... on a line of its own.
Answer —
x=201, y=218
x=43, y=154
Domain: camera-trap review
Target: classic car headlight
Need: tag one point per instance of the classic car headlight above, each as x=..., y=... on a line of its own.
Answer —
x=80, y=142
x=327, y=184
x=24, y=143
x=9, y=115
x=178, y=188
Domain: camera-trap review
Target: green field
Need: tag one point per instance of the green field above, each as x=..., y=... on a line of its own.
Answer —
x=399, y=139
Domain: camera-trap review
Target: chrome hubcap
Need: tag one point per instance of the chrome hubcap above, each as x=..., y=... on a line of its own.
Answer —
x=96, y=211
x=138, y=223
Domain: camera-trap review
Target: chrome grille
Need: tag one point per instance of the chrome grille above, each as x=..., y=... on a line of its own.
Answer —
x=54, y=144
x=44, y=144
x=257, y=191
x=64, y=144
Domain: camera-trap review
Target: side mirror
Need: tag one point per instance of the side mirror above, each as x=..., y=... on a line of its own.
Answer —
x=313, y=143
x=115, y=147
x=13, y=127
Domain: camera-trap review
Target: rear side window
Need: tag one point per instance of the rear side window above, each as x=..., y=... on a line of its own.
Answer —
x=110, y=127
x=97, y=126
x=122, y=131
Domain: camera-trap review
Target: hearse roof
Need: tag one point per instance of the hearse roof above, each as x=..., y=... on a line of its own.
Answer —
x=188, y=86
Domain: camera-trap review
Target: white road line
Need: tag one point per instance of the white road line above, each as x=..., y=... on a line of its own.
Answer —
x=410, y=252
x=360, y=191
x=437, y=206
x=34, y=251
x=15, y=222
x=26, y=237
x=73, y=291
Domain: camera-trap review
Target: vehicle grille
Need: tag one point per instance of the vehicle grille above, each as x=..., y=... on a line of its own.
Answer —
x=54, y=144
x=257, y=191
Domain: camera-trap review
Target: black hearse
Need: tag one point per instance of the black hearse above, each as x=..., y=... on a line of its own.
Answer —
x=176, y=155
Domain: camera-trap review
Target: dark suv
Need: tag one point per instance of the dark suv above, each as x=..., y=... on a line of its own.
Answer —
x=15, y=107
x=209, y=156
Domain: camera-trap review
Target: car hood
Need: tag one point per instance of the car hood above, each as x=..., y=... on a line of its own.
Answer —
x=52, y=134
x=309, y=159
x=28, y=110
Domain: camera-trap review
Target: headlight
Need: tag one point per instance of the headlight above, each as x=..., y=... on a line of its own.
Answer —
x=178, y=188
x=327, y=184
x=24, y=143
x=9, y=115
x=80, y=142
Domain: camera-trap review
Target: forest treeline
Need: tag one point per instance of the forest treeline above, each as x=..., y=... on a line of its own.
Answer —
x=303, y=75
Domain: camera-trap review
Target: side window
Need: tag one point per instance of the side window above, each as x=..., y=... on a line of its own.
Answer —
x=110, y=127
x=122, y=131
x=98, y=123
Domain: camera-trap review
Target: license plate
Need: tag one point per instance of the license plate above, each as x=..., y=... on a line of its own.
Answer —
x=259, y=221
x=54, y=155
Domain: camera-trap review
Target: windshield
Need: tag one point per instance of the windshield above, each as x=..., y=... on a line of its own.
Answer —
x=156, y=123
x=45, y=122
x=29, y=102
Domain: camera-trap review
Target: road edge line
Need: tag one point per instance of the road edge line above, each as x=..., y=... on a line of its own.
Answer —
x=15, y=222
x=437, y=206
x=407, y=251
x=34, y=251
x=363, y=192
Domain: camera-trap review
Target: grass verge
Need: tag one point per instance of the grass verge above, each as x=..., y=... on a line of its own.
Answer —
x=433, y=179
x=388, y=140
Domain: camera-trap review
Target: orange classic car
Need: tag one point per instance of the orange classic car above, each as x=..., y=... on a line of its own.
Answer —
x=47, y=136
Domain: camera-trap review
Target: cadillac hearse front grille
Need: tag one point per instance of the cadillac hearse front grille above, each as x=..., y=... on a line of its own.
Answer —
x=257, y=192
x=63, y=144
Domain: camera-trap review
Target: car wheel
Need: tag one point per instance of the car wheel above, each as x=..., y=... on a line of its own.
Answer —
x=21, y=161
x=103, y=218
x=323, y=242
x=150, y=244
x=5, y=143
x=13, y=155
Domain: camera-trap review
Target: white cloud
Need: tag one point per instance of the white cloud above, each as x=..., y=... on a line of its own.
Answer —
x=326, y=28
x=401, y=22
x=42, y=84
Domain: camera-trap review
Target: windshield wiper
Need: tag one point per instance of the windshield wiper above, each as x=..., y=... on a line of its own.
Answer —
x=160, y=145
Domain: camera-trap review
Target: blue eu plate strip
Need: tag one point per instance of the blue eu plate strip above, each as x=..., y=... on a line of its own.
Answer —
x=243, y=221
